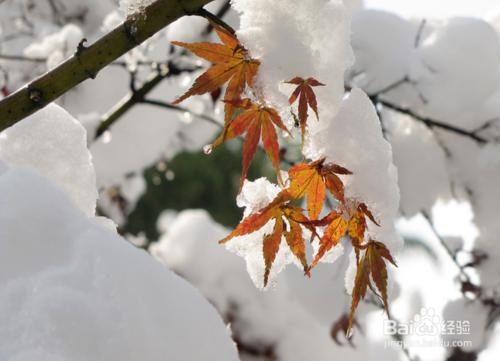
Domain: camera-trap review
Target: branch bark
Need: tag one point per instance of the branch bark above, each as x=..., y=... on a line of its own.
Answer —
x=88, y=61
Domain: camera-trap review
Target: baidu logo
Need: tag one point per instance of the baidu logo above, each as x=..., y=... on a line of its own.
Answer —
x=427, y=323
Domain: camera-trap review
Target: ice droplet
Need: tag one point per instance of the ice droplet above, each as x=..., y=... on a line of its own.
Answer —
x=207, y=149
x=106, y=137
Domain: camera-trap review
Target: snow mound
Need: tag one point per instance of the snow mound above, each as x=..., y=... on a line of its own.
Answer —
x=70, y=287
x=53, y=143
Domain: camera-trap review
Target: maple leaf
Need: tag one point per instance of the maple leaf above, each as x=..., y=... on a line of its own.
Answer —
x=231, y=64
x=312, y=180
x=358, y=226
x=307, y=98
x=338, y=224
x=372, y=264
x=288, y=220
x=257, y=122
x=341, y=326
x=335, y=230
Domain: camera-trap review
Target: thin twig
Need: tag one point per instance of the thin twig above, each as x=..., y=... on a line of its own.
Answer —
x=443, y=243
x=214, y=19
x=89, y=60
x=17, y=57
x=420, y=32
x=22, y=58
x=431, y=123
x=220, y=14
x=396, y=336
x=178, y=108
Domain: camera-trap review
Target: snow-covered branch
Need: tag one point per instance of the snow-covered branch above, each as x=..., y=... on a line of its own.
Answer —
x=88, y=61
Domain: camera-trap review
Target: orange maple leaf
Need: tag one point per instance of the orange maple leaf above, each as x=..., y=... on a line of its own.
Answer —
x=231, y=63
x=358, y=226
x=305, y=93
x=288, y=220
x=257, y=121
x=311, y=180
x=336, y=227
x=338, y=224
x=372, y=264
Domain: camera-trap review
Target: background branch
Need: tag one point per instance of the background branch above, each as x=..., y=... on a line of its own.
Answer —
x=88, y=61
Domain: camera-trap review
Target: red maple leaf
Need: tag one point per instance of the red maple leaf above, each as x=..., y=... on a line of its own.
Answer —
x=305, y=93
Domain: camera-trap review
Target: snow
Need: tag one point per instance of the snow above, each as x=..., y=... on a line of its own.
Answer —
x=463, y=57
x=293, y=318
x=453, y=76
x=454, y=79
x=56, y=47
x=384, y=45
x=71, y=288
x=477, y=316
x=130, y=7
x=354, y=140
x=297, y=38
x=348, y=132
x=54, y=143
x=254, y=196
x=423, y=177
x=162, y=134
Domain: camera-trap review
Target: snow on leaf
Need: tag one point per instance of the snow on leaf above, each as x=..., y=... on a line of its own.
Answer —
x=288, y=223
x=307, y=98
x=231, y=63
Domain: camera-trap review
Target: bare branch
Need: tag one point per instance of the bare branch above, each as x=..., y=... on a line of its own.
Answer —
x=87, y=62
x=431, y=123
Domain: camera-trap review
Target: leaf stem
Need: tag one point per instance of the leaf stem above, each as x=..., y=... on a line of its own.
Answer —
x=204, y=13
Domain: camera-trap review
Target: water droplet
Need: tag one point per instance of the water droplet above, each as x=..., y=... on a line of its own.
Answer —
x=161, y=166
x=187, y=117
x=106, y=137
x=207, y=149
x=169, y=175
x=156, y=180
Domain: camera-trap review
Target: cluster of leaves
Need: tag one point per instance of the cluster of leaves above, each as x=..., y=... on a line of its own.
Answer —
x=307, y=182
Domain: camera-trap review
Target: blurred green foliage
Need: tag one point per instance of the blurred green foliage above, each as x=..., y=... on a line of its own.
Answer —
x=195, y=180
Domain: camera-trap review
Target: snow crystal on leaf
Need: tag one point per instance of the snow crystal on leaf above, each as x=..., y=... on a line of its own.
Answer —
x=256, y=195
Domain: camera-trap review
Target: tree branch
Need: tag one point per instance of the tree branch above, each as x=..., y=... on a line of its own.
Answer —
x=137, y=95
x=88, y=61
x=9, y=57
x=431, y=123
x=134, y=97
x=178, y=108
